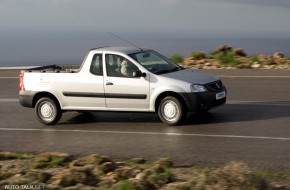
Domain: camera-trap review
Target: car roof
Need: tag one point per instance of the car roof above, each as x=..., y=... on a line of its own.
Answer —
x=125, y=50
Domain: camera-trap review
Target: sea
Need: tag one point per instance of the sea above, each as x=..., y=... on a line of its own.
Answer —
x=46, y=48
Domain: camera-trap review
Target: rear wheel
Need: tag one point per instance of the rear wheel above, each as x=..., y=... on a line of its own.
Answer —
x=48, y=111
x=171, y=111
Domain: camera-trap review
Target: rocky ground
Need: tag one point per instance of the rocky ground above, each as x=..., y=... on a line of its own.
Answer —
x=56, y=171
x=226, y=57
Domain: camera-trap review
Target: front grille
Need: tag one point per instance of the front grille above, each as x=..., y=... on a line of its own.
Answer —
x=214, y=86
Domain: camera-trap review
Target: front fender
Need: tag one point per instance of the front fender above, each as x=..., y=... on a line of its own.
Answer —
x=155, y=93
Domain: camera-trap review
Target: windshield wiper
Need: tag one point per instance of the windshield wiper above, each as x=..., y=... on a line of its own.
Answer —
x=176, y=69
x=162, y=71
x=168, y=70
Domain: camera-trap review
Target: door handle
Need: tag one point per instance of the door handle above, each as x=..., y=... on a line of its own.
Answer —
x=109, y=83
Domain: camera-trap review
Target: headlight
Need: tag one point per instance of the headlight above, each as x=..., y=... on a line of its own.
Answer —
x=198, y=88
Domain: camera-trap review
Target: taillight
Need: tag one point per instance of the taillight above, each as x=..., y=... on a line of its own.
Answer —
x=21, y=81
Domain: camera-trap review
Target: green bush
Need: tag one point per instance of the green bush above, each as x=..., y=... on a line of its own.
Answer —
x=227, y=58
x=176, y=58
x=198, y=55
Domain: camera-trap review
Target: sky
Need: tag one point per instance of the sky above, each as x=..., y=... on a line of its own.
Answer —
x=41, y=32
x=215, y=18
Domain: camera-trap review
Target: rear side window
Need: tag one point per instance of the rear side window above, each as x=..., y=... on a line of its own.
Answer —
x=96, y=65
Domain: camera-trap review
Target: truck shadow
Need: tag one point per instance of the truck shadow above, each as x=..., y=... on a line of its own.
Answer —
x=226, y=114
x=111, y=117
x=241, y=113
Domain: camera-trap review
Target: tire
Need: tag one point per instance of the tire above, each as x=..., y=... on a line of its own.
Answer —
x=171, y=111
x=48, y=111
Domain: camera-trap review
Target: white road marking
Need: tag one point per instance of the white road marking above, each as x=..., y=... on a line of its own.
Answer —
x=8, y=100
x=148, y=133
x=9, y=77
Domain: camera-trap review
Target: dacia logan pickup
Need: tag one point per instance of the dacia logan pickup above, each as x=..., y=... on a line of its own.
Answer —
x=125, y=79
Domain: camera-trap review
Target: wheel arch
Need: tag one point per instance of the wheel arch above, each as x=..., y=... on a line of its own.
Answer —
x=161, y=96
x=40, y=95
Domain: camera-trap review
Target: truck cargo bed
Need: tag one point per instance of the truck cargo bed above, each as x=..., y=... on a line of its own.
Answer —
x=55, y=68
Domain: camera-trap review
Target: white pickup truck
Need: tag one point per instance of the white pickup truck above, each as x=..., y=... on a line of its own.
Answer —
x=120, y=79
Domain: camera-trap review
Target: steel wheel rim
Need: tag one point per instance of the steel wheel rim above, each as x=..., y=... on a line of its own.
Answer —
x=47, y=111
x=171, y=111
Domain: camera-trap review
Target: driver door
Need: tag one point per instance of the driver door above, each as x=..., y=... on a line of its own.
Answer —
x=122, y=90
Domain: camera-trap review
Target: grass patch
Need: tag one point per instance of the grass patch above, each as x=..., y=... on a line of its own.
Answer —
x=136, y=174
x=53, y=162
x=126, y=185
x=13, y=156
x=50, y=160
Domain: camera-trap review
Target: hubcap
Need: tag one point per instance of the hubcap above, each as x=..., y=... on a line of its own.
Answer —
x=171, y=111
x=47, y=111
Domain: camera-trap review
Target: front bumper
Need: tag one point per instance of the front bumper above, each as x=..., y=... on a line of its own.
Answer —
x=203, y=101
x=26, y=98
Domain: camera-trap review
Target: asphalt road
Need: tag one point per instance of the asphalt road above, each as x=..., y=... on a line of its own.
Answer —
x=253, y=127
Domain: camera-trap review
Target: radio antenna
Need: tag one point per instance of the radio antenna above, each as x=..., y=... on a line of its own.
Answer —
x=125, y=40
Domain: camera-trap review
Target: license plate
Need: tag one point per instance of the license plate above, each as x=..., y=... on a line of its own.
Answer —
x=220, y=95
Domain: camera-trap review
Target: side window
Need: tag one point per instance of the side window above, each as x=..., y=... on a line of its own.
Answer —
x=96, y=65
x=118, y=66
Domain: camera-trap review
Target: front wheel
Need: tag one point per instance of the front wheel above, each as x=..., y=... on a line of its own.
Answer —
x=171, y=111
x=48, y=111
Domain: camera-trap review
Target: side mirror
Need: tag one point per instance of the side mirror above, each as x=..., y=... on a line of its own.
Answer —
x=138, y=73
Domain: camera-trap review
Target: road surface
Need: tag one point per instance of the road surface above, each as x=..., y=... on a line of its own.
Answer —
x=253, y=127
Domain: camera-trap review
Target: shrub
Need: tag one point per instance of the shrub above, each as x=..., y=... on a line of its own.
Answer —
x=176, y=58
x=198, y=55
x=255, y=59
x=227, y=58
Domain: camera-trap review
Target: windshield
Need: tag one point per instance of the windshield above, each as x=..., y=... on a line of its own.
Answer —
x=155, y=62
